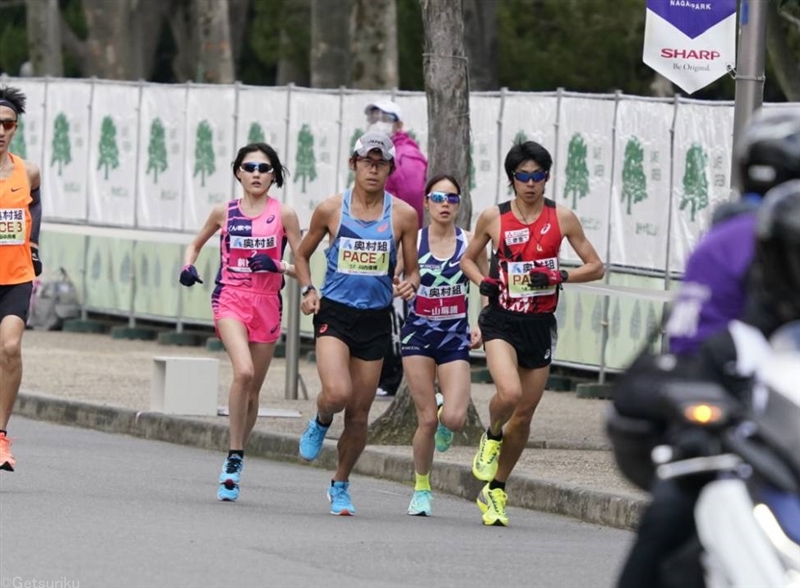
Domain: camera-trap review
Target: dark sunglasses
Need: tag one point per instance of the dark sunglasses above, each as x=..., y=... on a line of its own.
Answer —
x=8, y=124
x=442, y=197
x=526, y=177
x=251, y=166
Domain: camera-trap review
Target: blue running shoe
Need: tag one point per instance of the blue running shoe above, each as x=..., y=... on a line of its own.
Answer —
x=420, y=503
x=444, y=436
x=340, y=499
x=229, y=478
x=311, y=440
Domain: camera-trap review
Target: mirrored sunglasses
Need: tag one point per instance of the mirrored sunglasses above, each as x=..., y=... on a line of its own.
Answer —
x=441, y=197
x=526, y=177
x=251, y=166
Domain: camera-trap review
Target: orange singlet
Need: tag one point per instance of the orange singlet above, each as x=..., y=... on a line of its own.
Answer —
x=16, y=266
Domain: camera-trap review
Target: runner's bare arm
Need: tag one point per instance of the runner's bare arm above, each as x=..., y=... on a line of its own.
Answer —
x=213, y=223
x=477, y=246
x=482, y=261
x=318, y=228
x=571, y=228
x=407, y=244
x=35, y=208
x=291, y=225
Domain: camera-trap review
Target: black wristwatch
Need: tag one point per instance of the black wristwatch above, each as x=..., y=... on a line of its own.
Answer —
x=564, y=275
x=306, y=289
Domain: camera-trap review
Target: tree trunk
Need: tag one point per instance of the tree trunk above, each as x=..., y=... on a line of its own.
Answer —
x=147, y=19
x=294, y=59
x=398, y=423
x=786, y=68
x=480, y=22
x=238, y=18
x=181, y=23
x=447, y=88
x=330, y=45
x=373, y=45
x=215, y=63
x=108, y=42
x=44, y=37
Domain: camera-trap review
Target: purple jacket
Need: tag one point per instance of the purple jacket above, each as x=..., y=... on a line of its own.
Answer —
x=407, y=181
x=714, y=287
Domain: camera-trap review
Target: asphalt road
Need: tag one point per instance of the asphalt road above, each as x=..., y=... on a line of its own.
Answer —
x=90, y=509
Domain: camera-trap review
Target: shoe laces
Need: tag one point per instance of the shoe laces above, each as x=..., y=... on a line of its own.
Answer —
x=233, y=464
x=489, y=449
x=498, y=499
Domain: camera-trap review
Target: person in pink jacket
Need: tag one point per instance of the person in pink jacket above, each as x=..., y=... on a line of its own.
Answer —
x=407, y=183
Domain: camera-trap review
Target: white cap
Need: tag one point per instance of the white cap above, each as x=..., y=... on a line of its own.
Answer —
x=386, y=106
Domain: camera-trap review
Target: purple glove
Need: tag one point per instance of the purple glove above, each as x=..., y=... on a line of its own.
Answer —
x=261, y=262
x=189, y=276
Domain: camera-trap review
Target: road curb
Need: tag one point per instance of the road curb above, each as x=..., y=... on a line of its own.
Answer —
x=589, y=505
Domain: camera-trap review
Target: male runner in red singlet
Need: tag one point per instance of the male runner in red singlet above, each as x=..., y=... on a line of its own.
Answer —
x=519, y=324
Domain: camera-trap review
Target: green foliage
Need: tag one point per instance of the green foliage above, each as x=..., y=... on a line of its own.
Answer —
x=18, y=142
x=62, y=151
x=306, y=161
x=695, y=182
x=410, y=45
x=577, y=183
x=156, y=150
x=204, y=152
x=108, y=151
x=634, y=181
x=13, y=43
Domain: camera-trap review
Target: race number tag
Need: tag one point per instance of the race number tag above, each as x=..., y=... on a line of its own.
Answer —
x=519, y=280
x=12, y=226
x=517, y=237
x=243, y=248
x=363, y=257
x=441, y=302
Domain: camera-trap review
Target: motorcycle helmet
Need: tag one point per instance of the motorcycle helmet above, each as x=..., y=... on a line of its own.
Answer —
x=768, y=152
x=777, y=261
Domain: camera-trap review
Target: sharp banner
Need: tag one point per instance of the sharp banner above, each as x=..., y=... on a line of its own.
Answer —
x=691, y=43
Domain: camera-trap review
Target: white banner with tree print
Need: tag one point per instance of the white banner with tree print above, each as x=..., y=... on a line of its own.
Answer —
x=66, y=152
x=210, y=113
x=28, y=142
x=583, y=167
x=701, y=170
x=526, y=117
x=262, y=119
x=484, y=112
x=112, y=154
x=313, y=150
x=162, y=152
x=640, y=200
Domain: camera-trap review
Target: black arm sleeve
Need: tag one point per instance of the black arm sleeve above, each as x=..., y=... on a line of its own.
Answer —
x=35, y=208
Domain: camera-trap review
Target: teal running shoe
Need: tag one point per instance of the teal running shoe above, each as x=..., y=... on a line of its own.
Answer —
x=340, y=499
x=229, y=478
x=420, y=503
x=311, y=440
x=443, y=438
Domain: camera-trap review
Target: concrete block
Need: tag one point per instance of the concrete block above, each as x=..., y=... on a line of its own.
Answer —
x=185, y=386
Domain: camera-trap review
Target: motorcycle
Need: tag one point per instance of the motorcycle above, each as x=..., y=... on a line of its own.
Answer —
x=741, y=461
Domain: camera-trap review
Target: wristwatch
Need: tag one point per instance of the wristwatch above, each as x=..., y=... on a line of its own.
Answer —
x=564, y=275
x=306, y=289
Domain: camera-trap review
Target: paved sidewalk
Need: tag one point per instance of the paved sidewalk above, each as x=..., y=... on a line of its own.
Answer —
x=100, y=382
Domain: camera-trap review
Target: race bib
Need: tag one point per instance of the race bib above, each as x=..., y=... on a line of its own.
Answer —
x=12, y=226
x=519, y=280
x=363, y=257
x=441, y=302
x=517, y=237
x=243, y=248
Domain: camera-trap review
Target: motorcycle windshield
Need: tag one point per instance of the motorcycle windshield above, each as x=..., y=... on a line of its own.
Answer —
x=786, y=508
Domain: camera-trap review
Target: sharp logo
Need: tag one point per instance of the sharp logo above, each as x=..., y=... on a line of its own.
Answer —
x=671, y=53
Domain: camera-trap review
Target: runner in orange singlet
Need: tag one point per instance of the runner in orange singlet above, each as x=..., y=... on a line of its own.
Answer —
x=519, y=324
x=20, y=219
